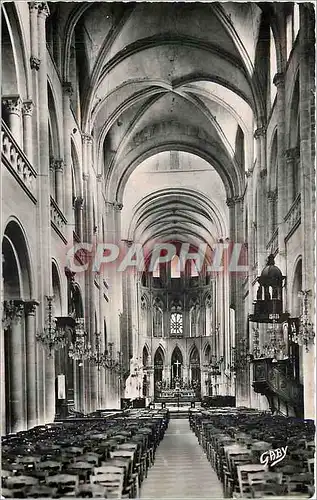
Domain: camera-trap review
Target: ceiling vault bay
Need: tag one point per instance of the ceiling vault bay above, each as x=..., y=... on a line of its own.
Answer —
x=160, y=80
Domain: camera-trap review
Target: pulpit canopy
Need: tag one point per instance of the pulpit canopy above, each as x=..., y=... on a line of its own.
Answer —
x=271, y=274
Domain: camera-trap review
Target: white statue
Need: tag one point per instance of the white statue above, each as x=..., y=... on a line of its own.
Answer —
x=134, y=382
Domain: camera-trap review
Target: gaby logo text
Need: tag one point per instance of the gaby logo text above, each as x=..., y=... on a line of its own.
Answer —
x=272, y=457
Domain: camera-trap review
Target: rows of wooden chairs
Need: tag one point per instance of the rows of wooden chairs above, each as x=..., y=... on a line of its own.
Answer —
x=107, y=458
x=234, y=441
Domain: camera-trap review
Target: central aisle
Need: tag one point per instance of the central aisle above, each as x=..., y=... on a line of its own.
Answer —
x=181, y=469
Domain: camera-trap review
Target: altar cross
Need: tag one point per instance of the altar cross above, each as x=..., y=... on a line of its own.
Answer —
x=177, y=363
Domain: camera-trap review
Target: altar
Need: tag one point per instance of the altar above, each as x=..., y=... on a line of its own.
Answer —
x=177, y=392
x=177, y=388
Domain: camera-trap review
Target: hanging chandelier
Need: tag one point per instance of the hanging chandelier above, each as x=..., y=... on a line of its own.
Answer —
x=256, y=343
x=80, y=348
x=51, y=337
x=240, y=356
x=97, y=357
x=106, y=358
x=306, y=332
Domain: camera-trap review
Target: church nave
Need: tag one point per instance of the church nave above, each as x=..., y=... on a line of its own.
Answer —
x=181, y=469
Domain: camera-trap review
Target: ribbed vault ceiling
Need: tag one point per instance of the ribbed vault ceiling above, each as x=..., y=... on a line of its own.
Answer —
x=163, y=77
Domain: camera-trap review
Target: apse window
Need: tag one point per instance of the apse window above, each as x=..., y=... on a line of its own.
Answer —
x=156, y=270
x=175, y=267
x=176, y=324
x=194, y=270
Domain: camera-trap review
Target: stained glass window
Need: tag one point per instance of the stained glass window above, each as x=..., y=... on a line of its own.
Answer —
x=176, y=324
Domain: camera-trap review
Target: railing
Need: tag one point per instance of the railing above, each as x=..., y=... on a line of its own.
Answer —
x=17, y=163
x=287, y=389
x=293, y=217
x=58, y=219
x=269, y=377
x=272, y=245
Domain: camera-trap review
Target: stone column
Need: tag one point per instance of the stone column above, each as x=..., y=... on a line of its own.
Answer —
x=30, y=327
x=12, y=105
x=44, y=229
x=27, y=109
x=52, y=178
x=281, y=180
x=34, y=59
x=290, y=162
x=14, y=323
x=308, y=186
x=59, y=173
x=237, y=300
x=260, y=136
x=68, y=201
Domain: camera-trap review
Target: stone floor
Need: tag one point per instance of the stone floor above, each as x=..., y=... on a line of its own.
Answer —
x=181, y=469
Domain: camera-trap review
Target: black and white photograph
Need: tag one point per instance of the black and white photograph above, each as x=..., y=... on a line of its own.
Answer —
x=158, y=264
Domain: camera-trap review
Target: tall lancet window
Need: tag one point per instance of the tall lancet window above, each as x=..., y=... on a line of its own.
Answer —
x=208, y=309
x=194, y=269
x=175, y=267
x=158, y=318
x=144, y=315
x=156, y=270
x=194, y=314
x=176, y=321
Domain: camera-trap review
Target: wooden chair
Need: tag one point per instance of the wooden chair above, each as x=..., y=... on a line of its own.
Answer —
x=19, y=482
x=12, y=493
x=93, y=458
x=299, y=483
x=41, y=491
x=91, y=491
x=311, y=465
x=243, y=480
x=64, y=483
x=82, y=469
x=266, y=483
x=112, y=482
x=28, y=462
x=49, y=466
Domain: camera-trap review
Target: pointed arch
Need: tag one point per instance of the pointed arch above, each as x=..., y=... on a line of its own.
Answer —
x=17, y=263
x=194, y=356
x=146, y=355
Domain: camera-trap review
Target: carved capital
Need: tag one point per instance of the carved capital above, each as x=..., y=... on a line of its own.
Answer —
x=12, y=104
x=35, y=63
x=129, y=243
x=27, y=108
x=78, y=202
x=52, y=164
x=34, y=6
x=278, y=79
x=59, y=165
x=263, y=173
x=291, y=154
x=231, y=202
x=68, y=89
x=85, y=177
x=117, y=206
x=272, y=195
x=249, y=173
x=99, y=177
x=13, y=311
x=44, y=10
x=30, y=307
x=70, y=275
x=86, y=138
x=259, y=132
